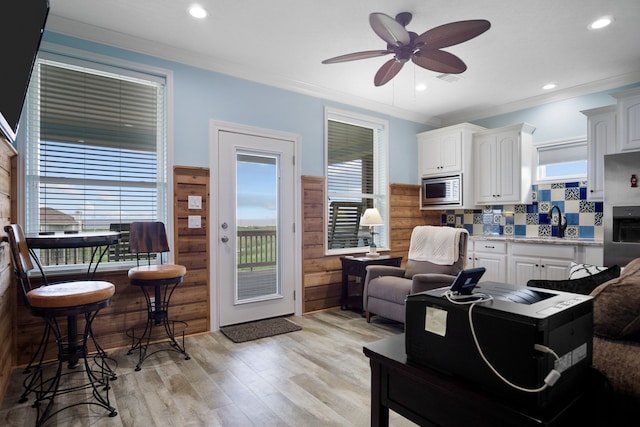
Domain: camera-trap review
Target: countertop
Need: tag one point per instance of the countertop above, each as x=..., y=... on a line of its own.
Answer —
x=545, y=240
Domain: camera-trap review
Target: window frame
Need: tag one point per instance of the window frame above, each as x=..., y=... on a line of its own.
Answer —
x=380, y=194
x=540, y=170
x=101, y=63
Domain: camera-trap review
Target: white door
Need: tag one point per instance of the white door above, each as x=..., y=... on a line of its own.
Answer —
x=255, y=230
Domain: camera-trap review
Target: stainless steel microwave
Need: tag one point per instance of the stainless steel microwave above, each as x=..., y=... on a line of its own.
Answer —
x=441, y=190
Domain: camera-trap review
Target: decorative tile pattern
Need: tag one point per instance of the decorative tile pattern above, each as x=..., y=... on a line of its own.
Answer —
x=544, y=231
x=584, y=218
x=587, y=206
x=597, y=219
x=572, y=194
x=572, y=231
x=509, y=230
x=544, y=207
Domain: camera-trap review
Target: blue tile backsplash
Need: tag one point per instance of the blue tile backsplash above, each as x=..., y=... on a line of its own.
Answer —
x=584, y=218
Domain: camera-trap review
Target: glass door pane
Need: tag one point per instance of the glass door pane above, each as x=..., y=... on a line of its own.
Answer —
x=257, y=263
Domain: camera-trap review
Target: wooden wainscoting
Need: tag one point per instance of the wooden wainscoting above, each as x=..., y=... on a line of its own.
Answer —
x=7, y=285
x=322, y=275
x=192, y=244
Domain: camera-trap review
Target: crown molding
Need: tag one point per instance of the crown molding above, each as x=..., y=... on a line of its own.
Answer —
x=559, y=95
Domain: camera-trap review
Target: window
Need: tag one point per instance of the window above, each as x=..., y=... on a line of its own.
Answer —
x=562, y=160
x=95, y=151
x=357, y=179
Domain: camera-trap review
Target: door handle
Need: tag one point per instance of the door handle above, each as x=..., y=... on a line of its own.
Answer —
x=224, y=239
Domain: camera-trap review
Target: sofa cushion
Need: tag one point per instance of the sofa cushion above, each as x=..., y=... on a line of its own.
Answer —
x=390, y=288
x=616, y=307
x=583, y=285
x=577, y=271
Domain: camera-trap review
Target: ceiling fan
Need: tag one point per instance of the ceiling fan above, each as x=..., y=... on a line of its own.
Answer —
x=423, y=50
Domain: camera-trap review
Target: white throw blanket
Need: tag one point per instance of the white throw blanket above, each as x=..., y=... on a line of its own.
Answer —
x=439, y=245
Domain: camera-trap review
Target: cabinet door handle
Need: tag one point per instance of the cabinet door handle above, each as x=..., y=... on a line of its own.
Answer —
x=542, y=266
x=489, y=247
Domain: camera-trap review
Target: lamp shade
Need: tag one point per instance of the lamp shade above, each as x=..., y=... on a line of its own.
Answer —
x=371, y=217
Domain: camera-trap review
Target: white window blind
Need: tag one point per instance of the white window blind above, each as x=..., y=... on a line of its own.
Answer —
x=562, y=160
x=356, y=171
x=95, y=149
x=562, y=153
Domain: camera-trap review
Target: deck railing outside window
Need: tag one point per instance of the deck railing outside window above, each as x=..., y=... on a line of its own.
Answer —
x=257, y=249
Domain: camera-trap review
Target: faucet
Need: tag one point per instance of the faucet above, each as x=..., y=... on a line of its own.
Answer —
x=562, y=222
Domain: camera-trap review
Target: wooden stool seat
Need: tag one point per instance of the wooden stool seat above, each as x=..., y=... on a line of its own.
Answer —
x=157, y=272
x=70, y=294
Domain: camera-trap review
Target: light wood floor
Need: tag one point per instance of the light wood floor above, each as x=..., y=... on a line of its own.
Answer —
x=314, y=377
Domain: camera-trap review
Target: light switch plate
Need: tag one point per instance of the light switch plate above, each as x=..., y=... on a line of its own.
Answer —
x=194, y=221
x=195, y=202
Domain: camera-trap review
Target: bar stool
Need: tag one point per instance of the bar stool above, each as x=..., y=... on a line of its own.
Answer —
x=54, y=302
x=158, y=281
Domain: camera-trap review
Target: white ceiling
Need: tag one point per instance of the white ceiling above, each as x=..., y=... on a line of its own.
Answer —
x=282, y=43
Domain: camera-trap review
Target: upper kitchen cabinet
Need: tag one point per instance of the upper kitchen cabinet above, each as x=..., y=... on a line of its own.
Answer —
x=601, y=140
x=628, y=113
x=446, y=150
x=504, y=160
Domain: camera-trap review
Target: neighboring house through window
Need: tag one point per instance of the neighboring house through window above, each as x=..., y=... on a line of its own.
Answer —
x=95, y=149
x=357, y=179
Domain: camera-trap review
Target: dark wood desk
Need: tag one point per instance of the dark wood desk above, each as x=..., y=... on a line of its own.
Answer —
x=357, y=266
x=430, y=398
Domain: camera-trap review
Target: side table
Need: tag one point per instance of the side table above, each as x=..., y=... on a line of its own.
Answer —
x=357, y=266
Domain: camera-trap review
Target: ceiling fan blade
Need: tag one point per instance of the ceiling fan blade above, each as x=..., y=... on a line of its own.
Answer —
x=389, y=29
x=388, y=71
x=357, y=55
x=452, y=33
x=439, y=61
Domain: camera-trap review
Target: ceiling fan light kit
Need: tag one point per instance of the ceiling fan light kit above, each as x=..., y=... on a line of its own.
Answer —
x=424, y=49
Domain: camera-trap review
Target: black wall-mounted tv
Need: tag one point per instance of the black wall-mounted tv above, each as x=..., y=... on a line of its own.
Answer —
x=21, y=26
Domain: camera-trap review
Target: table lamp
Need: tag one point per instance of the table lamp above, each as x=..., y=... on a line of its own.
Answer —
x=371, y=217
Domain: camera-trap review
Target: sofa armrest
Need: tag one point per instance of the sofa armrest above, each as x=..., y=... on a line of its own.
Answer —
x=375, y=271
x=427, y=281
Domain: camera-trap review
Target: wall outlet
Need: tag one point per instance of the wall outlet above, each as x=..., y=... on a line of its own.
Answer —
x=194, y=221
x=195, y=202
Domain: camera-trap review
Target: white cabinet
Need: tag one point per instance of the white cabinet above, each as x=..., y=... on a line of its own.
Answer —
x=503, y=165
x=446, y=150
x=601, y=140
x=539, y=261
x=492, y=255
x=628, y=113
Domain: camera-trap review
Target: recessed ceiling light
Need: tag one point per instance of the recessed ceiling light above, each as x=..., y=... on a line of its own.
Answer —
x=197, y=11
x=549, y=86
x=421, y=86
x=600, y=23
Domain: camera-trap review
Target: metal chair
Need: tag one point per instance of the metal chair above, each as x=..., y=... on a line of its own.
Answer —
x=158, y=281
x=54, y=302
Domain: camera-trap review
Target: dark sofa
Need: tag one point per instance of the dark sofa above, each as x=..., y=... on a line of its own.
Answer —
x=616, y=340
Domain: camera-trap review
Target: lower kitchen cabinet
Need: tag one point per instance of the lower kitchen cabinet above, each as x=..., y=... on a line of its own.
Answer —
x=517, y=262
x=491, y=255
x=540, y=261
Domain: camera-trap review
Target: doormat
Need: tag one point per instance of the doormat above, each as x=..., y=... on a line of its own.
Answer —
x=259, y=329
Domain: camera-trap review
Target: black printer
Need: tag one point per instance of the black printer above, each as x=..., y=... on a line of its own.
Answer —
x=438, y=335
